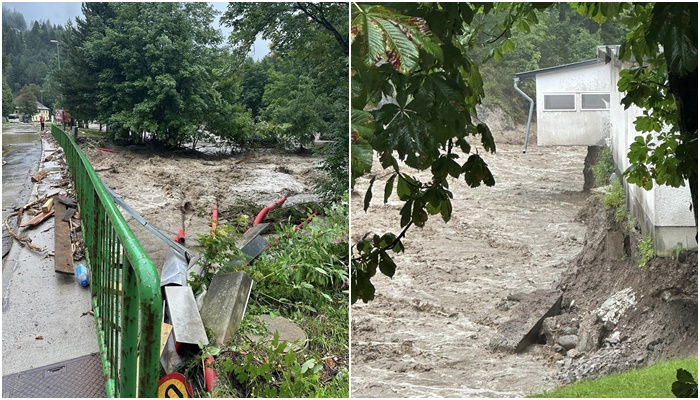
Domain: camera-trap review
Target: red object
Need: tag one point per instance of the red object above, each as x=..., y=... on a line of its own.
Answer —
x=267, y=209
x=214, y=219
x=209, y=373
x=296, y=228
x=105, y=150
x=180, y=237
x=62, y=116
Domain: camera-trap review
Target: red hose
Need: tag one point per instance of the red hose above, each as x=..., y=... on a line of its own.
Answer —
x=214, y=219
x=209, y=373
x=264, y=211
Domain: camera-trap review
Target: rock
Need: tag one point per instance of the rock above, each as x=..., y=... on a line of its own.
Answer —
x=568, y=341
x=569, y=330
x=573, y=353
x=614, y=338
x=589, y=334
x=523, y=329
x=549, y=329
x=558, y=349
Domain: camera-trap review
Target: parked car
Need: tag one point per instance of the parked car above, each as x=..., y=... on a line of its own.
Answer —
x=13, y=118
x=26, y=118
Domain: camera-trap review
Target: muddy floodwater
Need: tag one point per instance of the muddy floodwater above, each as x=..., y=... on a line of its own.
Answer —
x=427, y=332
x=177, y=190
x=21, y=149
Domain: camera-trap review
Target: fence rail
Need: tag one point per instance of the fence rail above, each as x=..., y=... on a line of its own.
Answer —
x=124, y=282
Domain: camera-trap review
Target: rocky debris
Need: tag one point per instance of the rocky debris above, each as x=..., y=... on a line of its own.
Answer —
x=590, y=334
x=568, y=342
x=613, y=308
x=608, y=360
x=523, y=329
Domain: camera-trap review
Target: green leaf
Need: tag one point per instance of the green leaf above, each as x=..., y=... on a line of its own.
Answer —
x=386, y=264
x=389, y=188
x=403, y=189
x=419, y=215
x=361, y=160
x=402, y=52
x=368, y=195
x=476, y=171
x=308, y=364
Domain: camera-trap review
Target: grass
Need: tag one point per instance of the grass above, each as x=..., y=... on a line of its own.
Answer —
x=653, y=381
x=645, y=250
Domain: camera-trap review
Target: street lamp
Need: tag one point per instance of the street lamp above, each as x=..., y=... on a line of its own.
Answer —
x=58, y=52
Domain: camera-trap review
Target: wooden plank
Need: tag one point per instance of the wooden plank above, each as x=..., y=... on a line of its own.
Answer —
x=37, y=220
x=39, y=176
x=47, y=206
x=67, y=201
x=63, y=259
x=165, y=330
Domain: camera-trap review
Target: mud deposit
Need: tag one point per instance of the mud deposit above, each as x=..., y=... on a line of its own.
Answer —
x=427, y=333
x=175, y=190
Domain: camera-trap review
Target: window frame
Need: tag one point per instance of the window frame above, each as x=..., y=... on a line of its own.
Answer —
x=595, y=109
x=544, y=101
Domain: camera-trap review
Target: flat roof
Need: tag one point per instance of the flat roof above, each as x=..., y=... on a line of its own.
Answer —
x=530, y=74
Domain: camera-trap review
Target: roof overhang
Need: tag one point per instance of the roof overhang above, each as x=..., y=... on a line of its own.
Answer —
x=533, y=73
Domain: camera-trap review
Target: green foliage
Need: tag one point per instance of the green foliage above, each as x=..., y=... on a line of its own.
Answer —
x=604, y=167
x=685, y=385
x=29, y=56
x=648, y=382
x=645, y=250
x=8, y=107
x=291, y=99
x=26, y=101
x=663, y=41
x=615, y=199
x=300, y=277
x=148, y=68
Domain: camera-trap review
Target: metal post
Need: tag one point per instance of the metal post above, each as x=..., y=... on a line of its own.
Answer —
x=529, y=115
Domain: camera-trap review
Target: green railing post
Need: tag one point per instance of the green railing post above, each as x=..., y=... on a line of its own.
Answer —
x=128, y=319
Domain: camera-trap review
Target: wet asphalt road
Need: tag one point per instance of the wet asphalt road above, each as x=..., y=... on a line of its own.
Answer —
x=21, y=150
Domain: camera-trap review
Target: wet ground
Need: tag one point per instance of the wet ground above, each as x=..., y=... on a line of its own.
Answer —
x=45, y=316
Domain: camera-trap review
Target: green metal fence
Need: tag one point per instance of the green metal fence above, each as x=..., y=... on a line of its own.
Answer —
x=124, y=282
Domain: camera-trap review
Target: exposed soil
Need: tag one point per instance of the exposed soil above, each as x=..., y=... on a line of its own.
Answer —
x=175, y=190
x=428, y=331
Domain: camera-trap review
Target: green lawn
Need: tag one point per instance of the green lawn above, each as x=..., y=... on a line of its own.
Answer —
x=653, y=381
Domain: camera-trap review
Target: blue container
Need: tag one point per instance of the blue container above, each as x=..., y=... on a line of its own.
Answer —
x=81, y=274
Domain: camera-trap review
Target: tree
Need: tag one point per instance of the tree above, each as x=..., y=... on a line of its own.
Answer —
x=8, y=107
x=305, y=77
x=151, y=65
x=26, y=102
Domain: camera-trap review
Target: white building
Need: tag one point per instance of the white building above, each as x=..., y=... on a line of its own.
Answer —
x=579, y=105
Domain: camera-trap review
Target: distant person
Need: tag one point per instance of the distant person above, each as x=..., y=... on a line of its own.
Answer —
x=42, y=122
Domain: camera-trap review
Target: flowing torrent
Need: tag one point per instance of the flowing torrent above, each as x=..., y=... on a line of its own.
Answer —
x=427, y=332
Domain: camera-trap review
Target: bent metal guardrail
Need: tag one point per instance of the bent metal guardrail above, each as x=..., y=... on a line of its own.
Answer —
x=124, y=282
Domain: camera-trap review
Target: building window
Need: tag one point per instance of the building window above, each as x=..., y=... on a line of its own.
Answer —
x=595, y=101
x=559, y=102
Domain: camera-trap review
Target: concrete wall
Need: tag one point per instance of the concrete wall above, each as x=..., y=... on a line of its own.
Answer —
x=578, y=127
x=664, y=211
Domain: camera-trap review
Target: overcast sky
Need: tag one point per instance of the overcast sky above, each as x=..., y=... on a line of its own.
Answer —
x=60, y=13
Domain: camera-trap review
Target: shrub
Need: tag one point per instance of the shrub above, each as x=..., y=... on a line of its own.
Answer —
x=604, y=167
x=645, y=250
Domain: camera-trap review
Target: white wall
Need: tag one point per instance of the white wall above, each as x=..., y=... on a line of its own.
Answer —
x=579, y=127
x=662, y=211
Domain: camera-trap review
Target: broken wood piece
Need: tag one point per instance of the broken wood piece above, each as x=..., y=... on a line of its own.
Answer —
x=47, y=206
x=39, y=176
x=165, y=330
x=63, y=261
x=69, y=213
x=49, y=157
x=37, y=220
x=76, y=215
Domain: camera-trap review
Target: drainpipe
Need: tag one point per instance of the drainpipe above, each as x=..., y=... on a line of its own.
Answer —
x=529, y=114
